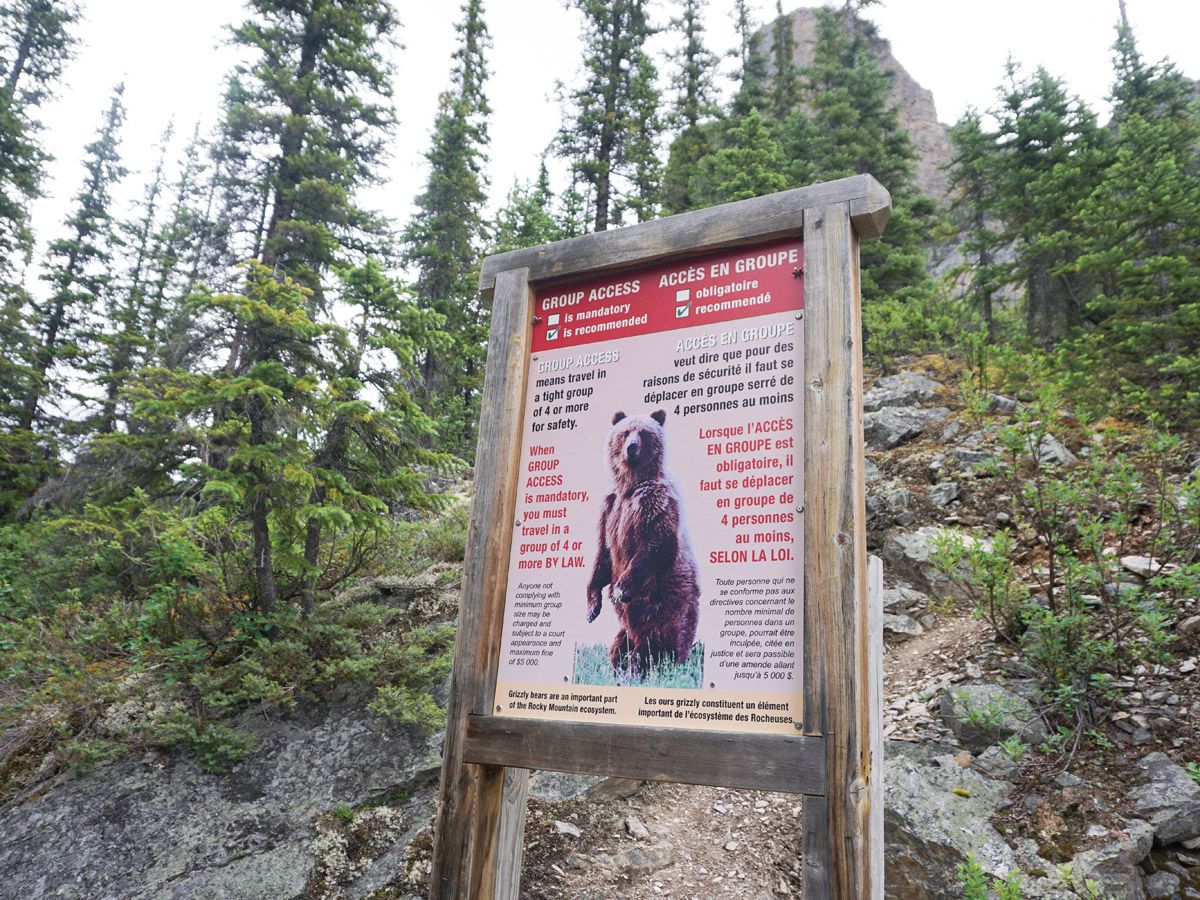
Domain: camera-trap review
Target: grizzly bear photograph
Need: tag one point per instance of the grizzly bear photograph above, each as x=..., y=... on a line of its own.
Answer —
x=645, y=557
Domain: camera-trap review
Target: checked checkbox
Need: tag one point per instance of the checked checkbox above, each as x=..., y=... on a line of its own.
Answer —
x=683, y=311
x=552, y=334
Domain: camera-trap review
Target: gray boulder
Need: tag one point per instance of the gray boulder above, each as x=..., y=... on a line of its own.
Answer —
x=888, y=501
x=1050, y=451
x=902, y=598
x=901, y=625
x=1162, y=886
x=1115, y=866
x=902, y=389
x=151, y=827
x=934, y=816
x=944, y=493
x=909, y=556
x=981, y=715
x=1170, y=798
x=891, y=426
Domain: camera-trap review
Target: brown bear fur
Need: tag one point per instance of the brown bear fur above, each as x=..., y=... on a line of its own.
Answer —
x=645, y=553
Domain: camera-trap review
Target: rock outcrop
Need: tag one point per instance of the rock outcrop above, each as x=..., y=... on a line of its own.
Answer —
x=160, y=827
x=917, y=112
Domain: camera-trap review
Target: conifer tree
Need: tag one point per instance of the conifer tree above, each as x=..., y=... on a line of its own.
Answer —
x=1053, y=153
x=1139, y=233
x=973, y=178
x=695, y=102
x=35, y=43
x=752, y=164
x=751, y=75
x=610, y=133
x=785, y=79
x=305, y=124
x=444, y=240
x=525, y=219
x=856, y=130
x=78, y=271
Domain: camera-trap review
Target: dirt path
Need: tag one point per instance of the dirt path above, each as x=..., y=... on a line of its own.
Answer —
x=676, y=840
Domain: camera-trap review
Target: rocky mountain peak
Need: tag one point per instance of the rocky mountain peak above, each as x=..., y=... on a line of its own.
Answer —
x=918, y=113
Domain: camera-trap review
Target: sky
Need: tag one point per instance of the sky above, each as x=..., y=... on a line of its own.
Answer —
x=172, y=56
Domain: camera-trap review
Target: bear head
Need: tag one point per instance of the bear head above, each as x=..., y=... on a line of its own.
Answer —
x=637, y=446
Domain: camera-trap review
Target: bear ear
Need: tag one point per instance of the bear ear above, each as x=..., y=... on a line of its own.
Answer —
x=617, y=417
x=659, y=416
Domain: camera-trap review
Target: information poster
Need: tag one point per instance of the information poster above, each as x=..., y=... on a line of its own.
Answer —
x=656, y=569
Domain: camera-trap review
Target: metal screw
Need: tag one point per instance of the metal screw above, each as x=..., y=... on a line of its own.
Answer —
x=537, y=320
x=799, y=315
x=798, y=725
x=799, y=509
x=517, y=524
x=565, y=678
x=498, y=708
x=798, y=271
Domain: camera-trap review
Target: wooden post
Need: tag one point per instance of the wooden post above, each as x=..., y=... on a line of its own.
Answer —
x=842, y=832
x=467, y=826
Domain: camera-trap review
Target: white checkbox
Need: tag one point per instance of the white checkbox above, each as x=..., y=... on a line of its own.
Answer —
x=683, y=296
x=553, y=320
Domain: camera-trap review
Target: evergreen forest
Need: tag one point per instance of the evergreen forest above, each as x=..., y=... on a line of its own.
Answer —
x=223, y=408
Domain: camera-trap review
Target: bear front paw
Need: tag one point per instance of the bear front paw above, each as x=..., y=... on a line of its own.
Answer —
x=593, y=605
x=618, y=594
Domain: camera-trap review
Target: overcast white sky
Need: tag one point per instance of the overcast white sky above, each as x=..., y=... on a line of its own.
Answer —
x=171, y=56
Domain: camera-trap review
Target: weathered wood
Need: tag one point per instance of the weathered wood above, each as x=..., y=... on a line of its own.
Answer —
x=764, y=762
x=466, y=826
x=875, y=724
x=746, y=221
x=815, y=862
x=510, y=843
x=836, y=627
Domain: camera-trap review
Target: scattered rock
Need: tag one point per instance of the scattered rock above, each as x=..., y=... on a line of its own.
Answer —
x=902, y=389
x=902, y=598
x=1162, y=886
x=892, y=502
x=643, y=861
x=1067, y=780
x=891, y=426
x=972, y=460
x=944, y=493
x=872, y=472
x=1000, y=403
x=901, y=624
x=1145, y=566
x=909, y=554
x=1114, y=866
x=555, y=787
x=1170, y=798
x=635, y=828
x=984, y=714
x=1190, y=625
x=567, y=828
x=1050, y=451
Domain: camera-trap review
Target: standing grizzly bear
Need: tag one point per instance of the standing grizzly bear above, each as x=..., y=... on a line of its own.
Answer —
x=645, y=553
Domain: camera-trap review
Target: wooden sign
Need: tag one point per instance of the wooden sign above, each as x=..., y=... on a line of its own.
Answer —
x=666, y=572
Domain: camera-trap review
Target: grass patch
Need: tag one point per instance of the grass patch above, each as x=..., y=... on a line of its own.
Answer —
x=592, y=666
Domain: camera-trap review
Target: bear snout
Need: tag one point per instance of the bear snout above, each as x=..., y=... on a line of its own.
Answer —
x=632, y=448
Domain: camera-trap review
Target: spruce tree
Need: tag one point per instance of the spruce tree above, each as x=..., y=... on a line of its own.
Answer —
x=444, y=240
x=751, y=75
x=694, y=104
x=526, y=219
x=610, y=132
x=1052, y=155
x=752, y=164
x=35, y=43
x=305, y=123
x=856, y=130
x=79, y=272
x=785, y=79
x=1139, y=247
x=973, y=179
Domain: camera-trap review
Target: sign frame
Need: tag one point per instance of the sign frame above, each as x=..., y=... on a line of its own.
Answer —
x=835, y=757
